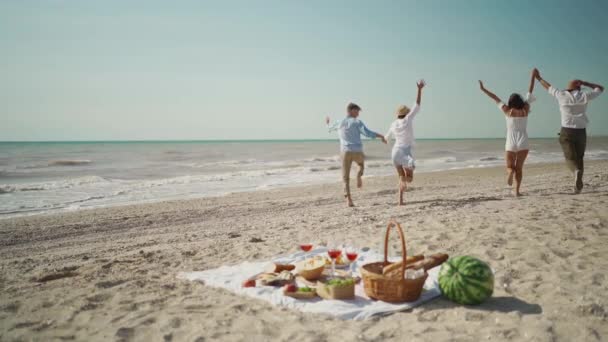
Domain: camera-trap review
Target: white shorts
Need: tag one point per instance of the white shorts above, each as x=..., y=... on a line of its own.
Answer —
x=402, y=157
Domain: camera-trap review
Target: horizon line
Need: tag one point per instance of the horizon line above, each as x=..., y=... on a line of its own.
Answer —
x=238, y=140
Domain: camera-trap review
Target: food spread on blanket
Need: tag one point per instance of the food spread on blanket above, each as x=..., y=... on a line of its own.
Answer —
x=463, y=279
x=466, y=280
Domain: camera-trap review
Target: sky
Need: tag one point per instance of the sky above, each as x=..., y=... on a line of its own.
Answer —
x=173, y=70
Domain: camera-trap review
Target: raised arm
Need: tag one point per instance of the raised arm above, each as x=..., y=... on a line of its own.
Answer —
x=331, y=126
x=532, y=80
x=489, y=93
x=592, y=85
x=544, y=83
x=420, y=85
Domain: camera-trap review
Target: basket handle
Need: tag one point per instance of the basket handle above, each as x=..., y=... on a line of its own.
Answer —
x=394, y=224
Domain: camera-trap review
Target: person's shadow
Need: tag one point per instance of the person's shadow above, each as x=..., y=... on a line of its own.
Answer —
x=497, y=304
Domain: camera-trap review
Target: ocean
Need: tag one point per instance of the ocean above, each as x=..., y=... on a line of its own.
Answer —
x=38, y=177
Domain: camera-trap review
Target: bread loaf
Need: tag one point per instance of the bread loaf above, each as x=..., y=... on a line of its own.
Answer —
x=427, y=263
x=397, y=265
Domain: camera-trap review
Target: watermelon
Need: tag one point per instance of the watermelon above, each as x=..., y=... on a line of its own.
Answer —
x=466, y=280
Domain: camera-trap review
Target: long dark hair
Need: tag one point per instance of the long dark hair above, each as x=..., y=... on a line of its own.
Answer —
x=516, y=101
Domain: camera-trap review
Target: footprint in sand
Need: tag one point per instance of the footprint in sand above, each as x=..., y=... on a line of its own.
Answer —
x=175, y=322
x=561, y=253
x=11, y=307
x=597, y=279
x=124, y=334
x=99, y=298
x=110, y=283
x=495, y=255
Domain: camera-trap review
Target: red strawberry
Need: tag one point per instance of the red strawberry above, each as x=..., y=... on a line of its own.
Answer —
x=291, y=288
x=249, y=283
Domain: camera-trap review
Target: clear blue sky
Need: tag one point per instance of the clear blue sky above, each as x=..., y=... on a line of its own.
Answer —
x=96, y=70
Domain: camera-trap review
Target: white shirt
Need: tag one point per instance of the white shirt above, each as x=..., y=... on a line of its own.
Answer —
x=573, y=105
x=403, y=129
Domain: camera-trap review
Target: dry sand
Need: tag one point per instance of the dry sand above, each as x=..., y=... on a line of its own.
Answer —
x=115, y=268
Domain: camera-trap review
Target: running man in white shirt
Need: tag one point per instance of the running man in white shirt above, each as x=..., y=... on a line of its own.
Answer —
x=516, y=146
x=573, y=103
x=402, y=130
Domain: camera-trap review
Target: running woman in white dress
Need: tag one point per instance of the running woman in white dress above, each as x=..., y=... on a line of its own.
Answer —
x=516, y=113
x=402, y=130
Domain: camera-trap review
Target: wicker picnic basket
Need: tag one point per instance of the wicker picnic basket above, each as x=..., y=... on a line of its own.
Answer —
x=386, y=288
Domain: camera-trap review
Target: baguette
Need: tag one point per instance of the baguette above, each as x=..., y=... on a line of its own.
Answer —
x=427, y=263
x=397, y=265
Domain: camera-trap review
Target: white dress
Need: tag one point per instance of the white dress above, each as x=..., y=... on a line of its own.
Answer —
x=517, y=128
x=517, y=134
x=403, y=132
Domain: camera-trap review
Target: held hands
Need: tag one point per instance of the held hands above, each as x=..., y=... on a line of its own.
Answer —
x=383, y=138
x=536, y=73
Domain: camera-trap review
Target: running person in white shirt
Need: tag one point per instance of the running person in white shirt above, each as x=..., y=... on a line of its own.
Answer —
x=402, y=130
x=516, y=146
x=573, y=134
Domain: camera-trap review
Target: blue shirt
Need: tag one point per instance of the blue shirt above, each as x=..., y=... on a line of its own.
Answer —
x=350, y=130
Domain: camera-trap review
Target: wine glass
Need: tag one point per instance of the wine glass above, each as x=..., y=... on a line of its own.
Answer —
x=334, y=251
x=352, y=252
x=305, y=247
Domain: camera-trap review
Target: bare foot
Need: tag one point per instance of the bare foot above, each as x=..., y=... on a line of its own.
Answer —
x=359, y=182
x=349, y=202
x=510, y=178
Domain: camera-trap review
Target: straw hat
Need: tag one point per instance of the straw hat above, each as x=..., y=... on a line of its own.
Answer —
x=402, y=110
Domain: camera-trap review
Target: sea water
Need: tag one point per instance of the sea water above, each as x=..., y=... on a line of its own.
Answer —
x=37, y=177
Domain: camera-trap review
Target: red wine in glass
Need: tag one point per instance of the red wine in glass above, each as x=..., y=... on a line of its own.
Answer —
x=306, y=247
x=351, y=256
x=334, y=253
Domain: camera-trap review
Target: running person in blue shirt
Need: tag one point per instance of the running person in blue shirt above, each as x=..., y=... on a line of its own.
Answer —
x=350, y=129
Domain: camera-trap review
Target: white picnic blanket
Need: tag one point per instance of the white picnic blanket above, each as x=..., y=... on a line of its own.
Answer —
x=232, y=277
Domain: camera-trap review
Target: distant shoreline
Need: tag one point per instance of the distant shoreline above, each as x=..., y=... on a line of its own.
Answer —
x=212, y=141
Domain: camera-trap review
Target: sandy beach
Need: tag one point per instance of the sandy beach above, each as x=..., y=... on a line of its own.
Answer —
x=110, y=274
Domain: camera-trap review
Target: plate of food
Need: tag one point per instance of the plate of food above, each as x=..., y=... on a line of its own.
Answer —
x=304, y=292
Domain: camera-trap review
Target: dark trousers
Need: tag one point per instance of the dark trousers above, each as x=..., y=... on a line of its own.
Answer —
x=574, y=142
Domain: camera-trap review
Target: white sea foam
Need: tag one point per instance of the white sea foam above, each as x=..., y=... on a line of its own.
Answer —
x=132, y=173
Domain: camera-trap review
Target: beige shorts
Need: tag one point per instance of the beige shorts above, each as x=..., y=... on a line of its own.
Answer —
x=347, y=160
